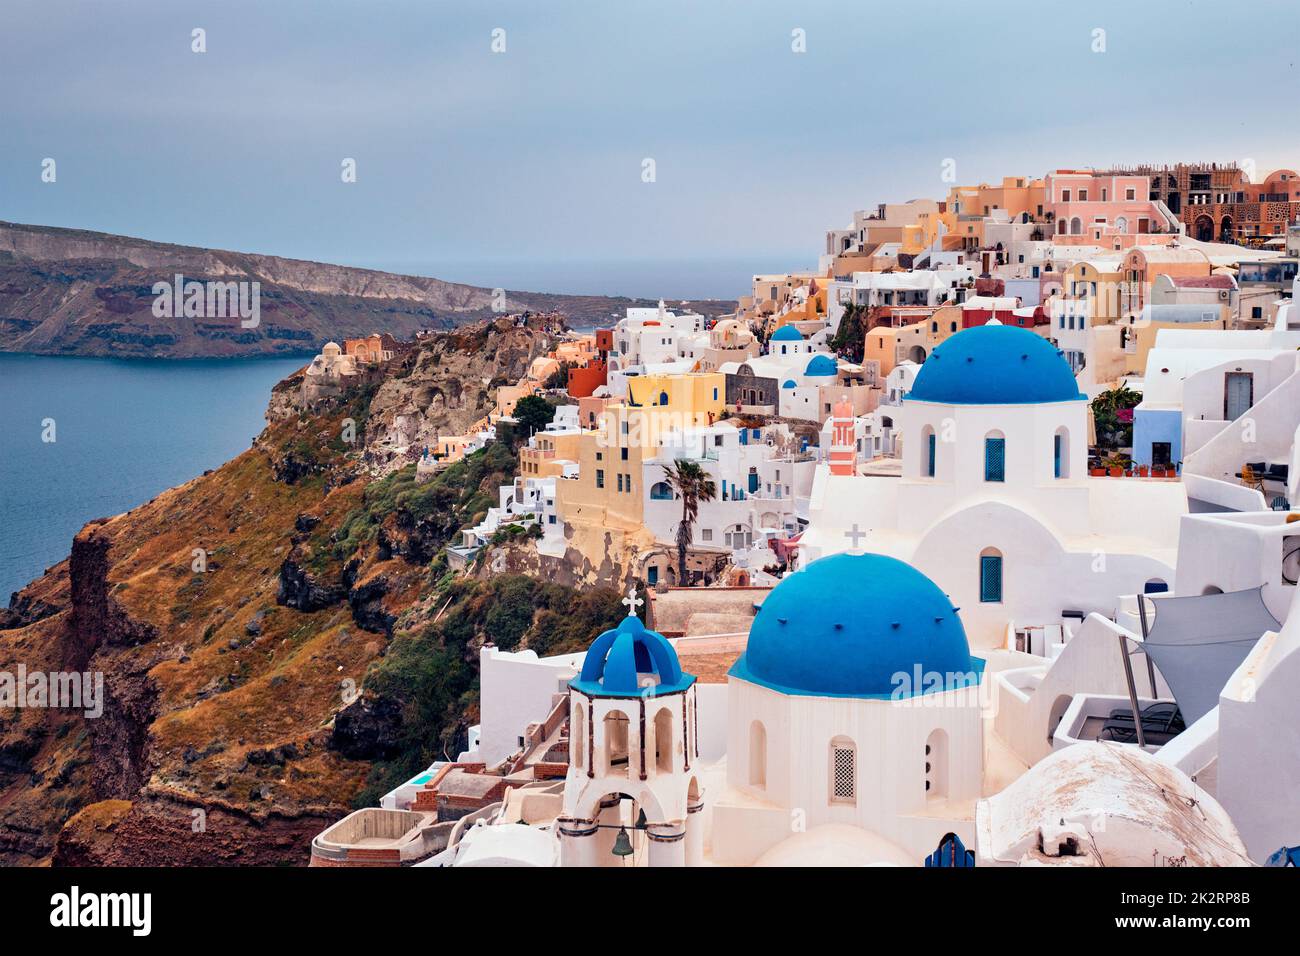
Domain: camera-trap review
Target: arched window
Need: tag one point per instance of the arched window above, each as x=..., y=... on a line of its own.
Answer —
x=1121, y=225
x=577, y=746
x=757, y=755
x=1155, y=586
x=936, y=765
x=664, y=741
x=616, y=756
x=844, y=771
x=661, y=491
x=995, y=457
x=1061, y=453
x=1076, y=226
x=929, y=448
x=1212, y=589
x=990, y=576
x=663, y=398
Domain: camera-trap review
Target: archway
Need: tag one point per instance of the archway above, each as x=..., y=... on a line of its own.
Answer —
x=1203, y=228
x=577, y=742
x=1225, y=229
x=936, y=764
x=616, y=753
x=757, y=755
x=664, y=741
x=916, y=354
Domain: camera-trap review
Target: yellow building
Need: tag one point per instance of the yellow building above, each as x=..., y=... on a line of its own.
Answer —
x=656, y=403
x=548, y=454
x=1091, y=288
x=607, y=491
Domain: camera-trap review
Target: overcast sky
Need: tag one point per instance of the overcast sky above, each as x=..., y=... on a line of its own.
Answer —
x=535, y=154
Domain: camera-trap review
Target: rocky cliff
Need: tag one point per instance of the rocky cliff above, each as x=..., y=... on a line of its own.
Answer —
x=72, y=292
x=277, y=638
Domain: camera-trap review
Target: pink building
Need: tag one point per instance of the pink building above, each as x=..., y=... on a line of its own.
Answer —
x=1093, y=209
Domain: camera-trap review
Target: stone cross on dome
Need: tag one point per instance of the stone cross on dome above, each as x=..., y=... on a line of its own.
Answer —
x=632, y=601
x=855, y=536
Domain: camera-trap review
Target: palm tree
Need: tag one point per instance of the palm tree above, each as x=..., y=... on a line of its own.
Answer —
x=693, y=484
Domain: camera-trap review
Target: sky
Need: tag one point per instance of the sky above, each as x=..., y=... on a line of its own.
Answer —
x=526, y=168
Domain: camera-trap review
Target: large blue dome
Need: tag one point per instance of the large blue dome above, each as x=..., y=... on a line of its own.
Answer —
x=787, y=333
x=619, y=658
x=848, y=625
x=995, y=365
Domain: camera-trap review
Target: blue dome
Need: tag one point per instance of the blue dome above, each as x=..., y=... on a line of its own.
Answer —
x=789, y=383
x=821, y=365
x=995, y=365
x=849, y=625
x=787, y=333
x=618, y=658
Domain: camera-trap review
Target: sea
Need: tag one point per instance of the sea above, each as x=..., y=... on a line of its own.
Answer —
x=84, y=438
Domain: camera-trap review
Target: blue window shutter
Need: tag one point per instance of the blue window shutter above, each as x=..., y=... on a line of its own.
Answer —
x=995, y=450
x=930, y=467
x=1056, y=456
x=990, y=579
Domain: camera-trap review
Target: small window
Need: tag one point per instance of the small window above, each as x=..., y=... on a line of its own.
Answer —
x=620, y=482
x=931, y=454
x=623, y=453
x=600, y=478
x=707, y=534
x=843, y=771
x=995, y=450
x=991, y=577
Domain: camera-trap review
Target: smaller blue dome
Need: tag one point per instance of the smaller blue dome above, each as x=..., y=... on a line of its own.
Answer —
x=789, y=383
x=618, y=658
x=821, y=365
x=787, y=333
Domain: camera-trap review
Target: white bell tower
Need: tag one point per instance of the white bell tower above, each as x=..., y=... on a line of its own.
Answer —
x=631, y=792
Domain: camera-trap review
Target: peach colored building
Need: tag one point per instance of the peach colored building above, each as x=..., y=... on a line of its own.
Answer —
x=1142, y=264
x=1089, y=208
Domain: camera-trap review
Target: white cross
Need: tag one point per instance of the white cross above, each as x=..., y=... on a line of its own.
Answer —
x=632, y=601
x=855, y=536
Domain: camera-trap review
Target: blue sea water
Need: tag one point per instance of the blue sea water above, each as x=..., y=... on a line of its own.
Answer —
x=124, y=429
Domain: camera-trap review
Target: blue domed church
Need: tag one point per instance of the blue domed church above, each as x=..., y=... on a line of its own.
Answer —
x=856, y=703
x=994, y=502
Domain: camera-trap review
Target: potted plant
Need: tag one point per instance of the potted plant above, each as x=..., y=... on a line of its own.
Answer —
x=1143, y=471
x=1115, y=465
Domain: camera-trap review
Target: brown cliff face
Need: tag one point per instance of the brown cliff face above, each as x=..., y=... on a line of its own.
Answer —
x=73, y=292
x=232, y=620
